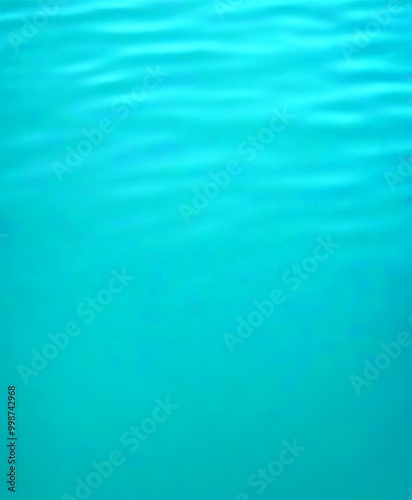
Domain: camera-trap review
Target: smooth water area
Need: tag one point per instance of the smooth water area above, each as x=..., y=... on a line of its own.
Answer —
x=204, y=151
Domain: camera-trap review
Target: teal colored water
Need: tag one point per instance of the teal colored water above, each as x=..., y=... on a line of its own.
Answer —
x=205, y=222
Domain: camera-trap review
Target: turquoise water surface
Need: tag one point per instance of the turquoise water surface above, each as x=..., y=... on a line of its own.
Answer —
x=205, y=237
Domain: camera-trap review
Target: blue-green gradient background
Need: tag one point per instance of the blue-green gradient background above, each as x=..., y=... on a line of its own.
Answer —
x=324, y=175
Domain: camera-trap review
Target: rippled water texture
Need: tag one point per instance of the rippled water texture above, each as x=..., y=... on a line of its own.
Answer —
x=239, y=161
